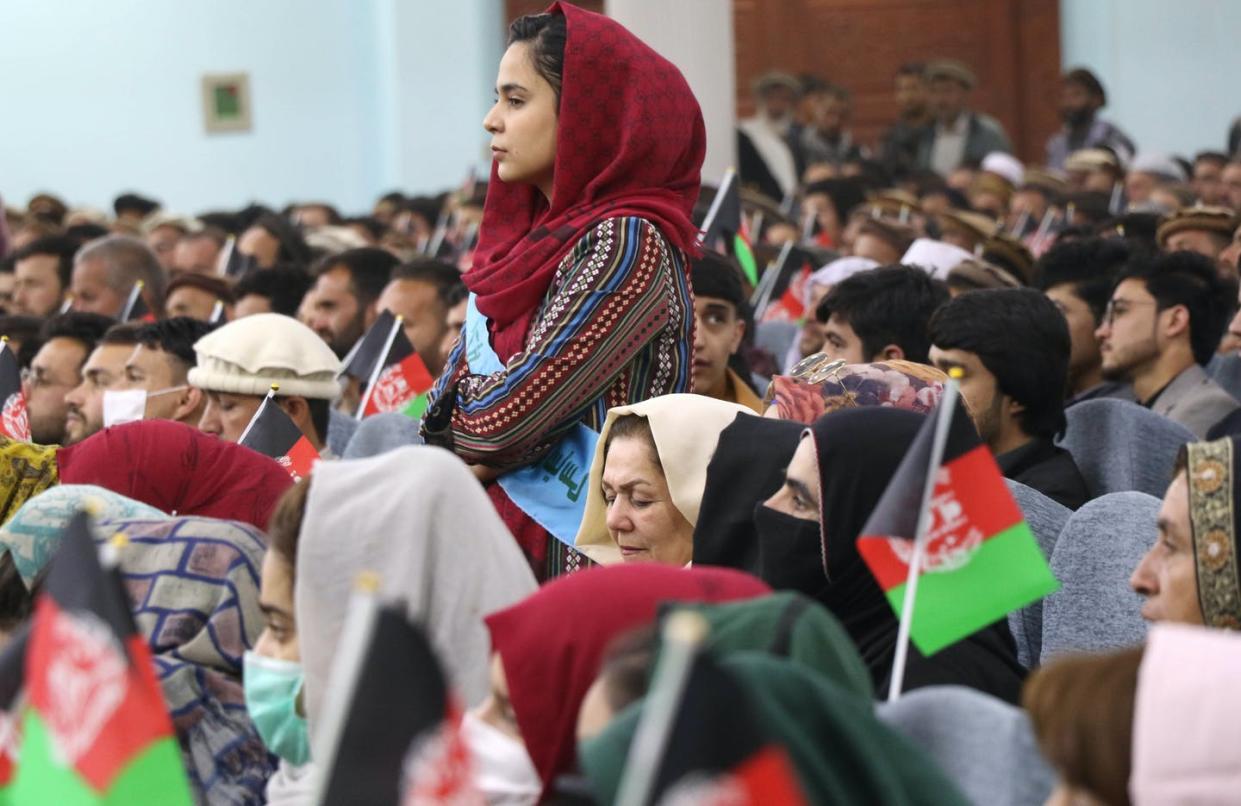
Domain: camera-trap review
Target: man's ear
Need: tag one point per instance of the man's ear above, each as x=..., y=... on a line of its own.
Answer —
x=1177, y=321
x=891, y=352
x=189, y=401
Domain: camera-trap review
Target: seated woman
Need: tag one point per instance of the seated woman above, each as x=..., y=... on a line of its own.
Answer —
x=818, y=387
x=193, y=584
x=419, y=519
x=546, y=653
x=807, y=533
x=647, y=478
x=178, y=470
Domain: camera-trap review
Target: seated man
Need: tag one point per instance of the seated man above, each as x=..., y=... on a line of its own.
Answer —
x=1012, y=345
x=160, y=365
x=1189, y=575
x=197, y=295
x=719, y=329
x=238, y=363
x=42, y=272
x=1163, y=323
x=104, y=369
x=1078, y=276
x=1205, y=230
x=279, y=290
x=55, y=370
x=105, y=272
x=881, y=315
x=422, y=292
x=346, y=288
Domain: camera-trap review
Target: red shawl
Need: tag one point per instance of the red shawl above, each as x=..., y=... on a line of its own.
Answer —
x=630, y=141
x=552, y=642
x=176, y=468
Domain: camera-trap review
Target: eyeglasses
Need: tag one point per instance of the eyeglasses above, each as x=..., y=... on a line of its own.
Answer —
x=1114, y=309
x=812, y=370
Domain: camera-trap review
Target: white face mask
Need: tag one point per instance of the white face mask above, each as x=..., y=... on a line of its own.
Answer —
x=503, y=771
x=129, y=405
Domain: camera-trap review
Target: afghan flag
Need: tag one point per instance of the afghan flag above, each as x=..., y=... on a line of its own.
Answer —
x=395, y=375
x=96, y=729
x=14, y=419
x=724, y=223
x=789, y=288
x=136, y=309
x=393, y=728
x=272, y=433
x=715, y=751
x=981, y=560
x=12, y=677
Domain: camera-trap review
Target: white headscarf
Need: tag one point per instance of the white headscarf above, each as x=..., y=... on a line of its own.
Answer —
x=419, y=519
x=686, y=429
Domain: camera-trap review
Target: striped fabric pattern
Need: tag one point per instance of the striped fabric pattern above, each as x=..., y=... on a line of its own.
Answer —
x=616, y=327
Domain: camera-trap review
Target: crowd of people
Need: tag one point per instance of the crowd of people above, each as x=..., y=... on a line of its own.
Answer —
x=626, y=425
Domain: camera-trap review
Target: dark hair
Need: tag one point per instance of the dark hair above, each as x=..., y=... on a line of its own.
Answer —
x=133, y=203
x=369, y=269
x=714, y=275
x=333, y=215
x=283, y=287
x=285, y=526
x=320, y=416
x=58, y=246
x=1081, y=709
x=632, y=426
x=228, y=223
x=1088, y=265
x=1087, y=81
x=16, y=602
x=373, y=226
x=293, y=248
x=446, y=278
x=1216, y=157
x=86, y=231
x=208, y=233
x=912, y=69
x=546, y=34
x=1191, y=280
x=175, y=336
x=429, y=207
x=122, y=334
x=1022, y=339
x=84, y=328
x=25, y=331
x=215, y=286
x=887, y=305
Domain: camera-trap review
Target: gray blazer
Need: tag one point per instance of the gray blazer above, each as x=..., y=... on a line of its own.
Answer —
x=1195, y=401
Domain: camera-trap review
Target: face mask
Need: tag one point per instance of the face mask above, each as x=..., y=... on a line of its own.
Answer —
x=790, y=552
x=130, y=405
x=272, y=687
x=503, y=771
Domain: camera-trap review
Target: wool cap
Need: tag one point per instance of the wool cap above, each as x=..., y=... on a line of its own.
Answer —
x=954, y=70
x=247, y=356
x=1211, y=219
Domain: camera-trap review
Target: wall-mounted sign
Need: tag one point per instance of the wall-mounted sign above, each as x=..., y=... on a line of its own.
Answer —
x=226, y=102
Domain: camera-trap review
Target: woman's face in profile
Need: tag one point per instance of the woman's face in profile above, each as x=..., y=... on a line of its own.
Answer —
x=522, y=122
x=641, y=517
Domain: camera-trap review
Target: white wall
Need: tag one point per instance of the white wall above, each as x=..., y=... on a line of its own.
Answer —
x=351, y=98
x=1170, y=68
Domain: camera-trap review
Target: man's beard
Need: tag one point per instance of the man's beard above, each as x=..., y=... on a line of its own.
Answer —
x=1076, y=117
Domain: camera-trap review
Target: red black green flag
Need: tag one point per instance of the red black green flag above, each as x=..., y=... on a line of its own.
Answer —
x=788, y=289
x=387, y=361
x=136, y=308
x=721, y=752
x=95, y=729
x=273, y=433
x=725, y=223
x=14, y=419
x=399, y=739
x=981, y=560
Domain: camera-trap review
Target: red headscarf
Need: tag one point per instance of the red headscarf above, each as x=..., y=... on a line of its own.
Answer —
x=552, y=642
x=630, y=141
x=176, y=468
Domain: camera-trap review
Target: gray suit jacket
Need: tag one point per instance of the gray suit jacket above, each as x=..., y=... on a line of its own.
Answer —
x=1195, y=401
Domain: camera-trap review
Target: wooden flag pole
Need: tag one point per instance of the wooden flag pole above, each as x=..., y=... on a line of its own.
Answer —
x=683, y=636
x=943, y=423
x=379, y=368
x=275, y=387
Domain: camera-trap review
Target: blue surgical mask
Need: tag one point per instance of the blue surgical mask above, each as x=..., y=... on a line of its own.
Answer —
x=272, y=687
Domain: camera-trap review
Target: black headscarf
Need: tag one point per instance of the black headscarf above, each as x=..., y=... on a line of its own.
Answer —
x=858, y=452
x=747, y=467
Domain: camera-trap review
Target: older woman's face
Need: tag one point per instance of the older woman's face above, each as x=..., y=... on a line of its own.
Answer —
x=1167, y=577
x=522, y=123
x=641, y=517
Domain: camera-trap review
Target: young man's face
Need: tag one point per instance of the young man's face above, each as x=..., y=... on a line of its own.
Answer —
x=1084, y=354
x=993, y=411
x=336, y=313
x=103, y=370
x=1128, y=337
x=910, y=94
x=226, y=415
x=1167, y=577
x=54, y=372
x=840, y=341
x=717, y=335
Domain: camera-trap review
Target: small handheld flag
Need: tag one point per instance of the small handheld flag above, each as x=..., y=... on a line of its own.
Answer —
x=135, y=308
x=390, y=724
x=396, y=377
x=687, y=743
x=947, y=543
x=725, y=222
x=14, y=418
x=272, y=433
x=96, y=730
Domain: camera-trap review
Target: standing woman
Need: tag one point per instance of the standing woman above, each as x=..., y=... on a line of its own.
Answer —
x=580, y=295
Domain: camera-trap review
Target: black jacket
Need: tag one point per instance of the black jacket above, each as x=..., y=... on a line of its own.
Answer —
x=1050, y=470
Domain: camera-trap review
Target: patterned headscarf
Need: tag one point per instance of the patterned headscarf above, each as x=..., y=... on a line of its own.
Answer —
x=1213, y=489
x=895, y=384
x=632, y=142
x=25, y=471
